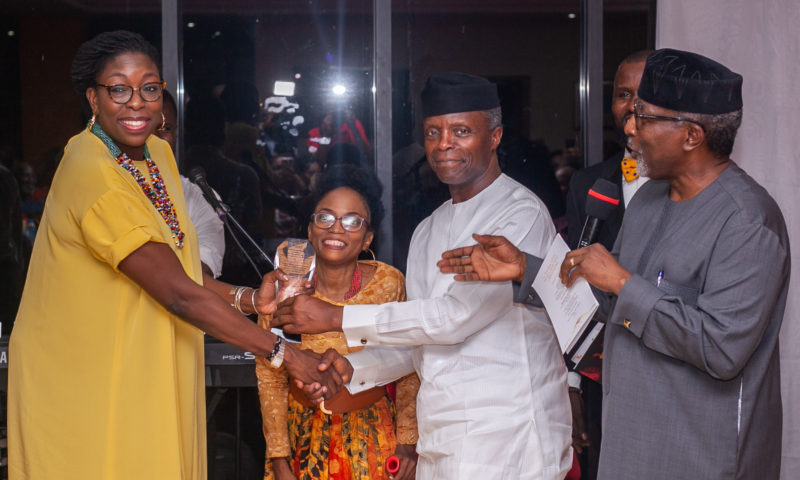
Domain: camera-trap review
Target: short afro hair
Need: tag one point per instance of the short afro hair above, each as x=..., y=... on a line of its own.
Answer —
x=93, y=55
x=359, y=179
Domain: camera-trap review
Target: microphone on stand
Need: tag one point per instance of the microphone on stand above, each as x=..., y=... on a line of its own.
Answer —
x=602, y=199
x=198, y=176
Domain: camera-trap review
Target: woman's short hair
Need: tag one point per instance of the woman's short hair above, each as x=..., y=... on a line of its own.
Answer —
x=360, y=179
x=93, y=55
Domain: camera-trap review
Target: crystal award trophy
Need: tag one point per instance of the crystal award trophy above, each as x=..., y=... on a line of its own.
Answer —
x=296, y=258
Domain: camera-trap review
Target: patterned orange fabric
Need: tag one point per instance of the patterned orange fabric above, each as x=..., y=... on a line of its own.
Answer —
x=629, y=169
x=348, y=446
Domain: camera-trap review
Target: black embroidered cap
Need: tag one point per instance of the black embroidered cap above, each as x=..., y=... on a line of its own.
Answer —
x=688, y=82
x=455, y=92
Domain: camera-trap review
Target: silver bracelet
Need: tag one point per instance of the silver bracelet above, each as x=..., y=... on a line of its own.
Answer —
x=237, y=299
x=253, y=302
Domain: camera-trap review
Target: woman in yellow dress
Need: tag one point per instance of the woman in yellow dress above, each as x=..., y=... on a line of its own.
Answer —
x=350, y=436
x=106, y=372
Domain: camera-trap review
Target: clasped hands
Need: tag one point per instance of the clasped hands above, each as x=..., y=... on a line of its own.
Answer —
x=496, y=259
x=306, y=314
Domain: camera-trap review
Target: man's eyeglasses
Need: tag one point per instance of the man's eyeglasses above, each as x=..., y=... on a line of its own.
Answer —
x=638, y=113
x=150, y=92
x=350, y=222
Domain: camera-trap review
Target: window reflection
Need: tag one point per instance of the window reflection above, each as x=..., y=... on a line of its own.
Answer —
x=295, y=84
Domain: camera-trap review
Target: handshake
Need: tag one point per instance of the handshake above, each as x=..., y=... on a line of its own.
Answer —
x=319, y=376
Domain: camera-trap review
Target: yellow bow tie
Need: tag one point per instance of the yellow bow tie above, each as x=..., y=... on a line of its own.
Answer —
x=629, y=169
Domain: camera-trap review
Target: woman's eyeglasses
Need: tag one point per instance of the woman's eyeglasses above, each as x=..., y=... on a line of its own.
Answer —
x=350, y=222
x=150, y=92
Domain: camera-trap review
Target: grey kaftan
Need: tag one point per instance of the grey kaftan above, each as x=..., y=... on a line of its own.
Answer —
x=691, y=377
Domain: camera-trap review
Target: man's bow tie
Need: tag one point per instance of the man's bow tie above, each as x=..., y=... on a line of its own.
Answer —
x=629, y=169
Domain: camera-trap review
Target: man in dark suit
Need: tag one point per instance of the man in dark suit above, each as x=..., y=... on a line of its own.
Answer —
x=586, y=418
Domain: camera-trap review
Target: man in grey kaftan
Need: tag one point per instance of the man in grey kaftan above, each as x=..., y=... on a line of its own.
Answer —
x=691, y=372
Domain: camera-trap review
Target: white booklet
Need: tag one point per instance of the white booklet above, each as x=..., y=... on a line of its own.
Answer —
x=569, y=309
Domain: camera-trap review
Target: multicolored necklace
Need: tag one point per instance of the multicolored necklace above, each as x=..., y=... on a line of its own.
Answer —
x=157, y=194
x=355, y=283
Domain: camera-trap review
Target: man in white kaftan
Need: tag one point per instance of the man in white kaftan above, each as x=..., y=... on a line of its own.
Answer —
x=493, y=398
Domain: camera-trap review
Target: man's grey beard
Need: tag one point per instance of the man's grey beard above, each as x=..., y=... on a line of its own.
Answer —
x=642, y=168
x=641, y=165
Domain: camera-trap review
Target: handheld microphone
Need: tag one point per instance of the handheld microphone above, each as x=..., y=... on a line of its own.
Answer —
x=602, y=199
x=198, y=176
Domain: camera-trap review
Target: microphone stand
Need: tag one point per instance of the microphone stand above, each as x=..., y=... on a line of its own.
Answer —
x=224, y=213
x=197, y=175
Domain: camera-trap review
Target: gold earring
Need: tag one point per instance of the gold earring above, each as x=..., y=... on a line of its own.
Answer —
x=163, y=121
x=91, y=122
x=371, y=253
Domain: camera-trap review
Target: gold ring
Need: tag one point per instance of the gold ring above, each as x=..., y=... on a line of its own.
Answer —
x=572, y=262
x=323, y=409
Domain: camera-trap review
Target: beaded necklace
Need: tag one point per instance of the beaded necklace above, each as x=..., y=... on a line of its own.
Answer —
x=157, y=194
x=355, y=283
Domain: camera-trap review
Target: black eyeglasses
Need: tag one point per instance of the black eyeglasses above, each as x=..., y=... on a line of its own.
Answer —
x=150, y=92
x=639, y=114
x=350, y=222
